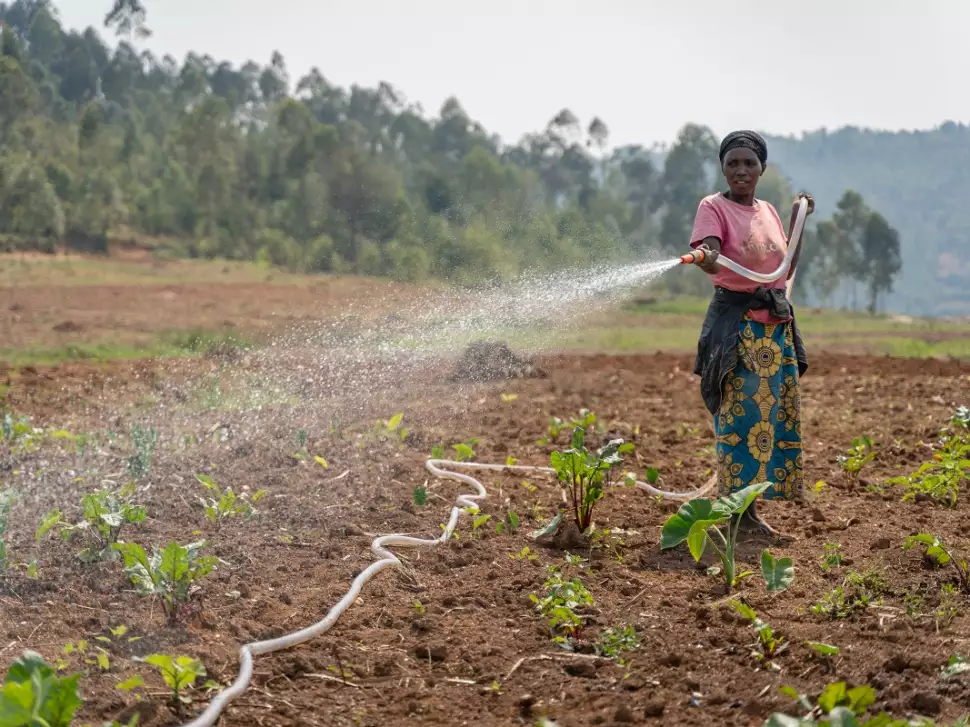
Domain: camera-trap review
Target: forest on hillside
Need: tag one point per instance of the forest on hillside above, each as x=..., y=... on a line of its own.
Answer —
x=203, y=159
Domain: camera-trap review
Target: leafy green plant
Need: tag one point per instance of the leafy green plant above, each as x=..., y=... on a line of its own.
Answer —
x=105, y=514
x=171, y=574
x=857, y=456
x=559, y=602
x=837, y=706
x=699, y=521
x=34, y=696
x=144, y=441
x=524, y=554
x=948, y=607
x=227, y=504
x=939, y=479
x=583, y=474
x=939, y=554
x=769, y=643
x=420, y=496
x=180, y=674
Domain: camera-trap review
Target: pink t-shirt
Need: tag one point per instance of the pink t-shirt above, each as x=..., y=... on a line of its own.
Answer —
x=750, y=236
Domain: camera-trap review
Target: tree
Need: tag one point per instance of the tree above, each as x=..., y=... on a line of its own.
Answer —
x=880, y=249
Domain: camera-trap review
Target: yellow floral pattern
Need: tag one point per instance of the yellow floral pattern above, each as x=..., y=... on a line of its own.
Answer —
x=758, y=425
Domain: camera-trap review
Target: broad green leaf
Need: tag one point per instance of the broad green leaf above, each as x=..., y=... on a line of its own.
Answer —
x=61, y=701
x=678, y=525
x=49, y=520
x=841, y=717
x=832, y=696
x=823, y=649
x=549, y=529
x=131, y=683
x=784, y=720
x=749, y=613
x=778, y=572
x=737, y=502
x=697, y=537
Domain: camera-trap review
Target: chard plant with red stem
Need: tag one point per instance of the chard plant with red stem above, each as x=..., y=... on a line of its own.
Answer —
x=584, y=474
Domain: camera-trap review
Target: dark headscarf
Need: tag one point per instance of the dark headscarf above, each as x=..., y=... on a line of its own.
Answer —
x=745, y=140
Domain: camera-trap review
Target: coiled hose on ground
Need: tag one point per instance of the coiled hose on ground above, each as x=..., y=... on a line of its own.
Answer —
x=441, y=468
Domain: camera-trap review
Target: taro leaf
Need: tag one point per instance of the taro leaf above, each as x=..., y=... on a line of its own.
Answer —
x=737, y=502
x=678, y=526
x=697, y=537
x=778, y=572
x=549, y=529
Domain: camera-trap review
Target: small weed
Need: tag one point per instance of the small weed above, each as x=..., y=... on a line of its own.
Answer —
x=227, y=504
x=949, y=606
x=559, y=602
x=524, y=554
x=465, y=451
x=938, y=554
x=586, y=420
x=939, y=479
x=613, y=642
x=769, y=643
x=390, y=430
x=831, y=556
x=510, y=523
x=7, y=499
x=144, y=441
x=420, y=496
x=180, y=674
x=857, y=592
x=857, y=456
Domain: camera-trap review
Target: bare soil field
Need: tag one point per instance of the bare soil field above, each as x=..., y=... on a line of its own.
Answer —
x=452, y=637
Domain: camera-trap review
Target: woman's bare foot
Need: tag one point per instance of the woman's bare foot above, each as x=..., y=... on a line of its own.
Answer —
x=752, y=523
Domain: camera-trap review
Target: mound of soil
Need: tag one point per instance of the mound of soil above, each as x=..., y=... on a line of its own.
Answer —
x=494, y=360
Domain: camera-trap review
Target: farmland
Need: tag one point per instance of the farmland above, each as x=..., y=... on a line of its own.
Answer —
x=167, y=383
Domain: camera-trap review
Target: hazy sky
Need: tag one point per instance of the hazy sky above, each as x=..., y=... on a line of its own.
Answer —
x=644, y=66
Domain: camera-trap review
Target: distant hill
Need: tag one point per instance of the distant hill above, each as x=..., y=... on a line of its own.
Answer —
x=920, y=181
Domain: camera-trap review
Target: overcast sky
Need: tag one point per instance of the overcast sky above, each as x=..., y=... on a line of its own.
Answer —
x=644, y=66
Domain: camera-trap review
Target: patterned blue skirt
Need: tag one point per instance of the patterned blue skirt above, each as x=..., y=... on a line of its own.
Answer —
x=758, y=427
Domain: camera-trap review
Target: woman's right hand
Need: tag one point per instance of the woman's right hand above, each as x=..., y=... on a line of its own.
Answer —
x=709, y=263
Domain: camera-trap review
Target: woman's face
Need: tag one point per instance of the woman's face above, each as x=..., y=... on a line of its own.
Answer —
x=741, y=169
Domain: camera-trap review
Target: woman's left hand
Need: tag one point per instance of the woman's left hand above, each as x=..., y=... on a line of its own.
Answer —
x=807, y=196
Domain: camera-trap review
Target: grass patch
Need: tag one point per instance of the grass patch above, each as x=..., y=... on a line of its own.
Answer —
x=169, y=344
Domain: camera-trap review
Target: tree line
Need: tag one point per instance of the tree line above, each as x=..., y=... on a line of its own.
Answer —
x=204, y=159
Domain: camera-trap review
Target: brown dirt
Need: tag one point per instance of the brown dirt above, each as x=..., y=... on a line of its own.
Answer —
x=452, y=660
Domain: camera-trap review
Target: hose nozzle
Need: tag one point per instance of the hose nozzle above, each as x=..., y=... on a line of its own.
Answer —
x=692, y=258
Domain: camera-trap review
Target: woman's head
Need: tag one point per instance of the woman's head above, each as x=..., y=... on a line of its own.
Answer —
x=743, y=155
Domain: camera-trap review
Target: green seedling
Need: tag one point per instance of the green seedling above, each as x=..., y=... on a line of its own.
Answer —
x=420, y=496
x=822, y=649
x=585, y=420
x=949, y=606
x=836, y=706
x=438, y=451
x=171, y=574
x=390, y=429
x=955, y=665
x=857, y=456
x=418, y=608
x=105, y=515
x=938, y=554
x=510, y=461
x=616, y=641
x=559, y=602
x=857, y=592
x=831, y=556
x=524, y=554
x=769, y=643
x=144, y=441
x=479, y=522
x=465, y=451
x=34, y=696
x=584, y=474
x=510, y=523
x=227, y=504
x=99, y=657
x=180, y=674
x=939, y=479
x=699, y=522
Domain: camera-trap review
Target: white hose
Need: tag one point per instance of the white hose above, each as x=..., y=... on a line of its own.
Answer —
x=796, y=238
x=211, y=714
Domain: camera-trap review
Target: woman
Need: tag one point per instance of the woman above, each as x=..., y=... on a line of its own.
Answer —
x=750, y=355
